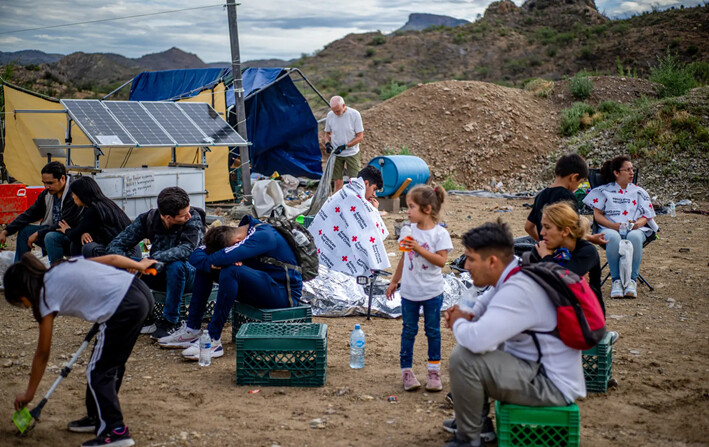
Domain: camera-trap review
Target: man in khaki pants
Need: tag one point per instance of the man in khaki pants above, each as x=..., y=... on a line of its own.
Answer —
x=343, y=133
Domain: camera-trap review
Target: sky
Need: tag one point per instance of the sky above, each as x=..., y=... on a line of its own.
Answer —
x=283, y=29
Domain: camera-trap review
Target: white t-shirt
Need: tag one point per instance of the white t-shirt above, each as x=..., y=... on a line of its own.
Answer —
x=622, y=205
x=421, y=280
x=84, y=289
x=344, y=128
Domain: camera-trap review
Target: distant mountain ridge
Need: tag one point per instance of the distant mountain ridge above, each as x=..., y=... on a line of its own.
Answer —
x=28, y=57
x=421, y=21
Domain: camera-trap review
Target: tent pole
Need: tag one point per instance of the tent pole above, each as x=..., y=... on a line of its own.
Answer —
x=110, y=94
x=239, y=98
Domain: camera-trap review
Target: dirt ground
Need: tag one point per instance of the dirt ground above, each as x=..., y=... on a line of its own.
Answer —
x=661, y=362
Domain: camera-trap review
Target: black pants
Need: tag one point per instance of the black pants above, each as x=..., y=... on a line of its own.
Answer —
x=114, y=343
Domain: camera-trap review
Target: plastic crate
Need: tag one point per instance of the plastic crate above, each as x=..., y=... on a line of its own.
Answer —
x=159, y=297
x=521, y=426
x=598, y=365
x=243, y=313
x=281, y=354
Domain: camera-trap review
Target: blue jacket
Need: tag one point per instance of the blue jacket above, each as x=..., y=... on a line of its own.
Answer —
x=261, y=240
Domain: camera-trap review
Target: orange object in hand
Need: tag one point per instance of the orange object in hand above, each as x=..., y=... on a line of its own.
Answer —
x=402, y=244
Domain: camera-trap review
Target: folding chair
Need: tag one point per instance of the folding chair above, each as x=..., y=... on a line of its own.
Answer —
x=594, y=179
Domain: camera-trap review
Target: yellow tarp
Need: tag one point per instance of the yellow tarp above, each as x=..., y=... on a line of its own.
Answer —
x=24, y=162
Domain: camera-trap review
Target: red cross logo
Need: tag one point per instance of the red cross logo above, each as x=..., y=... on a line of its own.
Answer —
x=595, y=200
x=344, y=259
x=382, y=230
x=336, y=228
x=319, y=232
x=371, y=239
x=353, y=208
x=650, y=205
x=318, y=251
x=354, y=238
x=625, y=213
x=634, y=202
x=377, y=225
x=337, y=209
x=620, y=191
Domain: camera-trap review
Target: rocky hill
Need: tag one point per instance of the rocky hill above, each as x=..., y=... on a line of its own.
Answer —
x=28, y=57
x=418, y=22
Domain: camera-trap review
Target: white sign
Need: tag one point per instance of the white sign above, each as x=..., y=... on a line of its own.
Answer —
x=139, y=185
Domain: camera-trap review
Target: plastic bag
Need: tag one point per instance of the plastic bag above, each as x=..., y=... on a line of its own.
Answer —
x=626, y=261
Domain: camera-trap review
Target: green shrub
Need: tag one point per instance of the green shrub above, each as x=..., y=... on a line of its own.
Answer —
x=586, y=52
x=393, y=89
x=405, y=150
x=370, y=52
x=580, y=86
x=576, y=117
x=700, y=71
x=692, y=50
x=551, y=51
x=675, y=77
x=611, y=108
x=459, y=38
x=377, y=40
x=449, y=184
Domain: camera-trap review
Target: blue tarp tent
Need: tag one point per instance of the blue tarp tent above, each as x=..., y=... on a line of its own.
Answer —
x=279, y=121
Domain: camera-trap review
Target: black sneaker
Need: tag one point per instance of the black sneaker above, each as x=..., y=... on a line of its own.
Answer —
x=164, y=328
x=118, y=437
x=449, y=399
x=456, y=442
x=84, y=425
x=487, y=434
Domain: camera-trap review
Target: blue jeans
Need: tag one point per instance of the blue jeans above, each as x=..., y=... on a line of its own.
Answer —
x=245, y=284
x=636, y=237
x=176, y=279
x=21, y=244
x=55, y=244
x=431, y=324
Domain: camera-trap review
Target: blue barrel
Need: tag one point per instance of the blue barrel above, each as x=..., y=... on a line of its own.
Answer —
x=397, y=168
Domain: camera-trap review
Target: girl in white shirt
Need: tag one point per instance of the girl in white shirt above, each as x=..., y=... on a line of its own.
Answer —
x=95, y=291
x=426, y=246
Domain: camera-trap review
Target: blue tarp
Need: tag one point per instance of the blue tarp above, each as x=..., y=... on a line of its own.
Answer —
x=279, y=121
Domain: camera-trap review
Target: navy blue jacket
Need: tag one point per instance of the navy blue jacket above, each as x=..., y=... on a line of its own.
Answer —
x=261, y=240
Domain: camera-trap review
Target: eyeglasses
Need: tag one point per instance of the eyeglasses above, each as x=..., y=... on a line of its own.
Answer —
x=628, y=169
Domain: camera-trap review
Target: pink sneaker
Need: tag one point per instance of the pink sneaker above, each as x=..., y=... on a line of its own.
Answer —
x=409, y=379
x=433, y=383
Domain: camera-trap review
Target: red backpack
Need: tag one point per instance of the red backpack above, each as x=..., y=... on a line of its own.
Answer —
x=580, y=323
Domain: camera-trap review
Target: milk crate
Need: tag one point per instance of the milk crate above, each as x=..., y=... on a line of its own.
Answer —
x=521, y=426
x=159, y=297
x=281, y=354
x=598, y=365
x=243, y=313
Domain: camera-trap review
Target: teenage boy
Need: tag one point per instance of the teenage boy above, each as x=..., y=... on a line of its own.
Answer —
x=174, y=230
x=52, y=206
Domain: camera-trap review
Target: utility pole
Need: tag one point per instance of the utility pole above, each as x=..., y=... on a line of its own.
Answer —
x=239, y=98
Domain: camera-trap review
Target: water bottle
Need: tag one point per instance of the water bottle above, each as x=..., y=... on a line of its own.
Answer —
x=300, y=238
x=673, y=213
x=467, y=301
x=205, y=349
x=623, y=230
x=357, y=348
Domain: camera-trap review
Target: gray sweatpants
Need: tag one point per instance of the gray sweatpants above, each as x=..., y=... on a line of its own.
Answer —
x=498, y=375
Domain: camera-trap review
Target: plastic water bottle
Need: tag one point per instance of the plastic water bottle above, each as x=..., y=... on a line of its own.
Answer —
x=205, y=349
x=300, y=238
x=673, y=212
x=357, y=348
x=623, y=230
x=467, y=301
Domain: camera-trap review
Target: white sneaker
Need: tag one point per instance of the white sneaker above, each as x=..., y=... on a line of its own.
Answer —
x=181, y=338
x=192, y=353
x=617, y=289
x=632, y=290
x=614, y=336
x=148, y=329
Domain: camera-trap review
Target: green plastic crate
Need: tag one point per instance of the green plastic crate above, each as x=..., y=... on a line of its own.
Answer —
x=243, y=313
x=159, y=297
x=281, y=354
x=598, y=365
x=521, y=426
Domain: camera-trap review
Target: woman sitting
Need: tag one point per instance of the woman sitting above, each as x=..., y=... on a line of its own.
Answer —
x=622, y=210
x=563, y=242
x=100, y=222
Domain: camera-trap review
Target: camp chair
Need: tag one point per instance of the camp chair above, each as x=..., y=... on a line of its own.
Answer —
x=594, y=179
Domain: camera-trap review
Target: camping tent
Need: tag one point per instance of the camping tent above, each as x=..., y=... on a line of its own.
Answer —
x=279, y=122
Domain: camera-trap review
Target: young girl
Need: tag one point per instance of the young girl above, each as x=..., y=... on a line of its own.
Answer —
x=419, y=270
x=95, y=291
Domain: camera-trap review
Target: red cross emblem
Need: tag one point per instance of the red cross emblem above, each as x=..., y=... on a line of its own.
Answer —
x=650, y=205
x=634, y=202
x=353, y=208
x=625, y=213
x=354, y=238
x=595, y=200
x=319, y=232
x=620, y=191
x=337, y=209
x=377, y=225
x=318, y=251
x=336, y=228
x=371, y=239
x=344, y=259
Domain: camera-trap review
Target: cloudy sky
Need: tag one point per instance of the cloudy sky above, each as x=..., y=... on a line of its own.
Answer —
x=267, y=28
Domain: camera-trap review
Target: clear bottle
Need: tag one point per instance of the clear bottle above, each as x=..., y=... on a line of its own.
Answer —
x=300, y=238
x=673, y=212
x=357, y=348
x=467, y=301
x=205, y=349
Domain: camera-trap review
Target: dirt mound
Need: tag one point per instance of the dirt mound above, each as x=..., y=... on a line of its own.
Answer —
x=605, y=88
x=474, y=133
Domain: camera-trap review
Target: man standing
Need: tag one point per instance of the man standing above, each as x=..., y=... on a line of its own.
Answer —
x=174, y=230
x=534, y=368
x=52, y=206
x=343, y=133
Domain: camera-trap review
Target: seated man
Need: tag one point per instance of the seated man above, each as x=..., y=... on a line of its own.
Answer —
x=520, y=373
x=234, y=257
x=174, y=230
x=54, y=205
x=349, y=231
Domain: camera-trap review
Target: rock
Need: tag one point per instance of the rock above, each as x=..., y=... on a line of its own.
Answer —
x=366, y=397
x=7, y=363
x=317, y=423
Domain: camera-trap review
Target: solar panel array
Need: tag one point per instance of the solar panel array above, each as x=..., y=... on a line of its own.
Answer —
x=151, y=123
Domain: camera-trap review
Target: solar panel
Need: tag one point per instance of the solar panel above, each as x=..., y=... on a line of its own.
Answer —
x=180, y=128
x=211, y=123
x=139, y=123
x=97, y=122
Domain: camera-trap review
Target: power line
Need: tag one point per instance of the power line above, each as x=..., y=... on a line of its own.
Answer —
x=113, y=18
